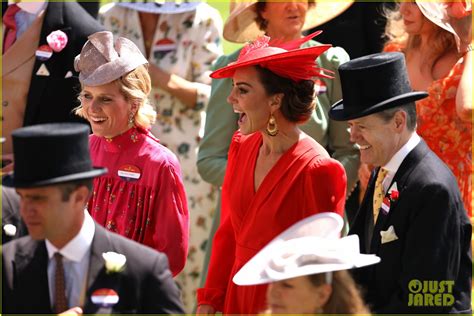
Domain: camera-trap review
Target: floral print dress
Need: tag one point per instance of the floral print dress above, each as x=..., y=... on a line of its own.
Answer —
x=185, y=44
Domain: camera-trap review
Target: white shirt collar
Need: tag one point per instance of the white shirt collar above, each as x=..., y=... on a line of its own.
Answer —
x=31, y=7
x=397, y=159
x=77, y=248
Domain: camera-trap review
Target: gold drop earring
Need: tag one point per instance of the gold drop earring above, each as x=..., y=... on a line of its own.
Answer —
x=272, y=127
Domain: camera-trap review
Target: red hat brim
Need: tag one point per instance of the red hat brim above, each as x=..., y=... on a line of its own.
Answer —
x=268, y=56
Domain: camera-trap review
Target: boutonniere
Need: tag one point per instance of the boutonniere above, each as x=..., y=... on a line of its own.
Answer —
x=393, y=193
x=10, y=230
x=114, y=262
x=57, y=40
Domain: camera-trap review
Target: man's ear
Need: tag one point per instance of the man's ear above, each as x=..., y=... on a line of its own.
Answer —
x=81, y=195
x=400, y=121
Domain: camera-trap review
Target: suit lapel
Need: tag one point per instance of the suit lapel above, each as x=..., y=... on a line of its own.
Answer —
x=30, y=275
x=100, y=244
x=53, y=20
x=401, y=177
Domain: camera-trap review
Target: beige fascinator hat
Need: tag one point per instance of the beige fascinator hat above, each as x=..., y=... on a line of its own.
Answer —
x=103, y=60
x=312, y=245
x=240, y=26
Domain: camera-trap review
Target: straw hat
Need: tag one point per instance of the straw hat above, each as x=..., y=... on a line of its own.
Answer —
x=437, y=12
x=241, y=27
x=308, y=247
x=103, y=60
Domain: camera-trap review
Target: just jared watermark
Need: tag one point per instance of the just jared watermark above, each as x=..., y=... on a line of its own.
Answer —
x=430, y=293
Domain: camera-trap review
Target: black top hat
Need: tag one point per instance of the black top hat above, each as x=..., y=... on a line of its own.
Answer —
x=371, y=84
x=50, y=154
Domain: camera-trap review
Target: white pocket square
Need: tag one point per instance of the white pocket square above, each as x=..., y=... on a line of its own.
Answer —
x=388, y=235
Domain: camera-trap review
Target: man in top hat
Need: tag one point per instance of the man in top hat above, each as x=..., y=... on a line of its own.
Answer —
x=68, y=261
x=412, y=215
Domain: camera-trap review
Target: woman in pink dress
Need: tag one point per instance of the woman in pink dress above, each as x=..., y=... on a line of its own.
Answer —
x=142, y=196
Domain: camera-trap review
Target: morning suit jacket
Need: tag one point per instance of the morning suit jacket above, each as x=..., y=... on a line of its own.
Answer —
x=51, y=98
x=434, y=238
x=144, y=286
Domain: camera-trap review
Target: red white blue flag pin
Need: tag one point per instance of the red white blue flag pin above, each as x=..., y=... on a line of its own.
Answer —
x=105, y=297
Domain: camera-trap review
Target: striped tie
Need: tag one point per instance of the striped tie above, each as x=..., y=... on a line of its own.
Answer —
x=378, y=192
x=60, y=287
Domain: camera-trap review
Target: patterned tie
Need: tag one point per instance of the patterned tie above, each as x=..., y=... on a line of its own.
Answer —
x=10, y=26
x=60, y=287
x=378, y=192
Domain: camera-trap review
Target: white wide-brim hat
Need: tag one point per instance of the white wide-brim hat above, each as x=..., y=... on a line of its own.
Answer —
x=160, y=6
x=311, y=246
x=241, y=27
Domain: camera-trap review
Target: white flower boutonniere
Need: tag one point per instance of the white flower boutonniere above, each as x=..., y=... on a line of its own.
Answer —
x=114, y=262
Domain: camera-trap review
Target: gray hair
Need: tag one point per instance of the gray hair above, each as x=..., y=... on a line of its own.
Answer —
x=409, y=109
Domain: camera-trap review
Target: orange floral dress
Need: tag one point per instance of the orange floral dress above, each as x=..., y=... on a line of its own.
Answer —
x=443, y=131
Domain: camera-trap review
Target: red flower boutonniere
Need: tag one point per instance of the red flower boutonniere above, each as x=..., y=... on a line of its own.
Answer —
x=393, y=195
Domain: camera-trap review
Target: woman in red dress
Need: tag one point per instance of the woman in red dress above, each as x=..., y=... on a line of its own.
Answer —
x=276, y=174
x=142, y=196
x=436, y=40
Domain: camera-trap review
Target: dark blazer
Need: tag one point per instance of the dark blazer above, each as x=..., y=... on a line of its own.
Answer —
x=52, y=98
x=434, y=238
x=145, y=286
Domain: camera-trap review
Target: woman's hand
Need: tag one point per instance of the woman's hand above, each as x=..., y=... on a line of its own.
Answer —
x=460, y=19
x=205, y=309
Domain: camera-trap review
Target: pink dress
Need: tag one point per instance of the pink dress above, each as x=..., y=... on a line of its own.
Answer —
x=142, y=196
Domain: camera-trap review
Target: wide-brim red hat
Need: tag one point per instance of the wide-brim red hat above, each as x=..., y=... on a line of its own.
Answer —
x=295, y=64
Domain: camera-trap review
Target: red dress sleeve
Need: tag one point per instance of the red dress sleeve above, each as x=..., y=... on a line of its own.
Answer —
x=223, y=246
x=171, y=233
x=326, y=179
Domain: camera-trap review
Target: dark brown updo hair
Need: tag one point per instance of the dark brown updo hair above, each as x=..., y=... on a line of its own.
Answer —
x=298, y=100
x=260, y=7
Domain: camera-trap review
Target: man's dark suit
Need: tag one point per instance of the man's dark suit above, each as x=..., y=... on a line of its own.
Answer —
x=31, y=97
x=52, y=98
x=145, y=286
x=434, y=237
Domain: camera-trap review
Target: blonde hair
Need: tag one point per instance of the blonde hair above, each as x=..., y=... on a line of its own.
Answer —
x=441, y=41
x=135, y=87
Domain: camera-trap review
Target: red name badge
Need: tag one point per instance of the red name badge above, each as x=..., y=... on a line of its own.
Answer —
x=129, y=173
